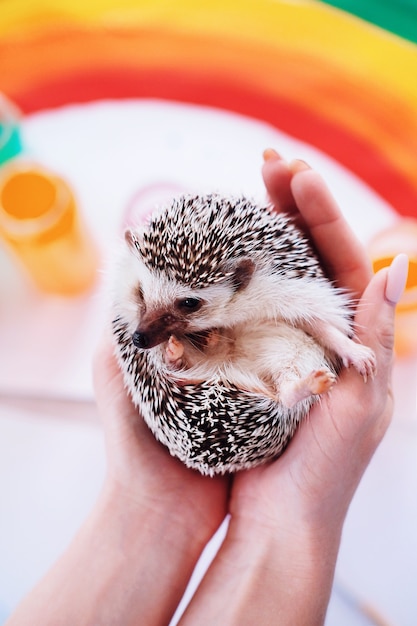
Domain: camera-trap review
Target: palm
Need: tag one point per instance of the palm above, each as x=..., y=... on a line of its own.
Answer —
x=324, y=462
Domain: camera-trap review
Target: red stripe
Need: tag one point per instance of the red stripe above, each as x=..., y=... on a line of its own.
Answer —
x=291, y=117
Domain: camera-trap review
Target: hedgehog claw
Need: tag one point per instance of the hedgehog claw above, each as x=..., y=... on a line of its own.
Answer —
x=174, y=351
x=363, y=360
x=316, y=383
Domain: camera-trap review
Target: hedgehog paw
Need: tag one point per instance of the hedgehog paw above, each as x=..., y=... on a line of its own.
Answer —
x=316, y=383
x=174, y=351
x=363, y=360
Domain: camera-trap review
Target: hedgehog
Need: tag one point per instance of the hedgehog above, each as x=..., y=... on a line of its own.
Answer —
x=227, y=330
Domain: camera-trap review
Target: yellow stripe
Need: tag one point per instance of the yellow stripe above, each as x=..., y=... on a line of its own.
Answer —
x=355, y=48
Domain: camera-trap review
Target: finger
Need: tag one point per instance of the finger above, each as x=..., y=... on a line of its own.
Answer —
x=340, y=251
x=375, y=324
x=376, y=312
x=277, y=178
x=355, y=415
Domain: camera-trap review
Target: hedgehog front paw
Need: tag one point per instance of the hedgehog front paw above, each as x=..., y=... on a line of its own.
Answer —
x=174, y=351
x=363, y=360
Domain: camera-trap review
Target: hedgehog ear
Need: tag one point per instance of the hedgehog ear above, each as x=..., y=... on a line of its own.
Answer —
x=242, y=273
x=133, y=239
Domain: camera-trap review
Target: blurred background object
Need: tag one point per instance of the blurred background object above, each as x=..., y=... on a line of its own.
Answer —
x=41, y=223
x=10, y=140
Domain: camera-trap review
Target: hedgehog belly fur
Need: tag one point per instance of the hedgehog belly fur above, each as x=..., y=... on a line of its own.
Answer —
x=210, y=266
x=212, y=427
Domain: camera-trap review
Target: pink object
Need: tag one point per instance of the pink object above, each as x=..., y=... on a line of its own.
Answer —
x=148, y=199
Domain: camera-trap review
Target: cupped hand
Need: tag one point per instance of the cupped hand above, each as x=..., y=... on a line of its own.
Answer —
x=139, y=467
x=315, y=479
x=318, y=474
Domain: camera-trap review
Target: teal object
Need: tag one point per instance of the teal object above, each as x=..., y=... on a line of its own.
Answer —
x=10, y=137
x=10, y=141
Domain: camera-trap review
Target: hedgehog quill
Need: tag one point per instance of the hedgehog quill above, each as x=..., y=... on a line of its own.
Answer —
x=227, y=330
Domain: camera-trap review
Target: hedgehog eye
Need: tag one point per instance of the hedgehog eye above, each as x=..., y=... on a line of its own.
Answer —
x=189, y=305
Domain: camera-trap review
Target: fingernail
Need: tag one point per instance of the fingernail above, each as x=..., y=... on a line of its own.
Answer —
x=298, y=165
x=271, y=155
x=397, y=278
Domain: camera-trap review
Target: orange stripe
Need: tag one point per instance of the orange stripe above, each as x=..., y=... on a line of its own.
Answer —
x=367, y=129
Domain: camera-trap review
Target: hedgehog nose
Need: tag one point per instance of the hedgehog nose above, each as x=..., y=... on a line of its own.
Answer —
x=141, y=340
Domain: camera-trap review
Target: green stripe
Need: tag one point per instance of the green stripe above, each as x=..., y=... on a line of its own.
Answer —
x=396, y=16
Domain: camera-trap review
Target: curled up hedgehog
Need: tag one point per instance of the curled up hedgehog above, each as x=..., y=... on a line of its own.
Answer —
x=227, y=330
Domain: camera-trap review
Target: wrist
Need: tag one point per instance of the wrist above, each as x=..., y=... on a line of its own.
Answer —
x=301, y=547
x=126, y=565
x=264, y=574
x=289, y=571
x=152, y=519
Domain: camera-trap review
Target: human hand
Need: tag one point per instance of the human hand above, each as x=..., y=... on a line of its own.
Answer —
x=316, y=477
x=133, y=556
x=155, y=515
x=276, y=564
x=140, y=468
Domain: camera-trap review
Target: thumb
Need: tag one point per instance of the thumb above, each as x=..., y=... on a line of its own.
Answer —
x=374, y=320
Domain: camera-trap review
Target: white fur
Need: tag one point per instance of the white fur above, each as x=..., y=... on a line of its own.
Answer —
x=262, y=358
x=273, y=332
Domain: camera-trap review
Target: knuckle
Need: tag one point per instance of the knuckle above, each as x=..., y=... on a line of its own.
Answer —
x=385, y=335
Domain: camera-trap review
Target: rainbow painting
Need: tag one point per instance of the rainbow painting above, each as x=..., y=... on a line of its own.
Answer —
x=338, y=81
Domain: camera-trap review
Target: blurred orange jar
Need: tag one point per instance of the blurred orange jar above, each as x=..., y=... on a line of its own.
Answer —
x=41, y=223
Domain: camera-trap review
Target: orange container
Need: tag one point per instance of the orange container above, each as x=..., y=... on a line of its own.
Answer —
x=40, y=222
x=400, y=237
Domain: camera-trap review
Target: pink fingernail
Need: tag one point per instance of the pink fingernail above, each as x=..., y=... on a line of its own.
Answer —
x=397, y=278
